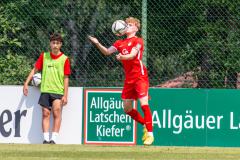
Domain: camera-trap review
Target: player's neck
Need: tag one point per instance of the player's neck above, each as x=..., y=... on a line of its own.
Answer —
x=56, y=52
x=131, y=35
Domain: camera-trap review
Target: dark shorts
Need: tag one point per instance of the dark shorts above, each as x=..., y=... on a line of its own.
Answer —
x=46, y=99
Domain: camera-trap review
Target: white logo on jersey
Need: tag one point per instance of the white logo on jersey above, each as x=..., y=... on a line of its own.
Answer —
x=124, y=52
x=130, y=43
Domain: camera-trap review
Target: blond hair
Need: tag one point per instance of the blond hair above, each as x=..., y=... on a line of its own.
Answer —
x=134, y=21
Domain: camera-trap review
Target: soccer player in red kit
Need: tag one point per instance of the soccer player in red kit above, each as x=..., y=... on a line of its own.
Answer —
x=136, y=82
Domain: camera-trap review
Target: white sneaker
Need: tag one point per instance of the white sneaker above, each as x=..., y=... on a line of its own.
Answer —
x=149, y=140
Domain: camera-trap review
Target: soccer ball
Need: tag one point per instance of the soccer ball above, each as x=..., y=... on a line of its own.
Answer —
x=36, y=79
x=119, y=27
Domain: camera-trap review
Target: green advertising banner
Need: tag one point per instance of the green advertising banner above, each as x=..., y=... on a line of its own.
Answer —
x=181, y=117
x=104, y=119
x=195, y=117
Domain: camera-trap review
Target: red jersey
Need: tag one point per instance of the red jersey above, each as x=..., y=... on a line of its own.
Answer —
x=39, y=63
x=133, y=68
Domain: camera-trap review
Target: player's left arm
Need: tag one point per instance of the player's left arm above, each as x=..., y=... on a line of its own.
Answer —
x=135, y=50
x=67, y=72
x=65, y=95
x=130, y=56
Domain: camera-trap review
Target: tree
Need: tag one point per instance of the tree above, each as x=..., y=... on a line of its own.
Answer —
x=9, y=28
x=199, y=36
x=215, y=51
x=75, y=20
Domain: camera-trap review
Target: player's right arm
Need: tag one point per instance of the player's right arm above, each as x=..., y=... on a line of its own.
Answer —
x=38, y=67
x=103, y=50
x=29, y=78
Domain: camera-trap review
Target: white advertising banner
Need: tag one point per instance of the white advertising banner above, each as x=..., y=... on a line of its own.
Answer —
x=20, y=116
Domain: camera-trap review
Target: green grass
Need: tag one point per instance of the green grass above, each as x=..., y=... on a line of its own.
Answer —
x=90, y=152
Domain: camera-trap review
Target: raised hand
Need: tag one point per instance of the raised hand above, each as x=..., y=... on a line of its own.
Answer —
x=93, y=40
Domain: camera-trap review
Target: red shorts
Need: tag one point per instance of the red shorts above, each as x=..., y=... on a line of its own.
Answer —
x=136, y=90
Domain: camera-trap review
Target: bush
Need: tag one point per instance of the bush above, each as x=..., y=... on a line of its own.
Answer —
x=14, y=69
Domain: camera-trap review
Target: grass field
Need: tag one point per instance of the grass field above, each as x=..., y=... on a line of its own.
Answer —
x=86, y=152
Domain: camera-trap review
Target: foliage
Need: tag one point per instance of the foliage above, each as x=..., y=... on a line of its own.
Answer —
x=200, y=36
x=204, y=34
x=215, y=51
x=14, y=68
x=9, y=28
